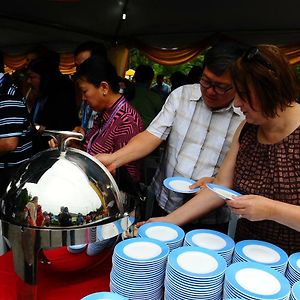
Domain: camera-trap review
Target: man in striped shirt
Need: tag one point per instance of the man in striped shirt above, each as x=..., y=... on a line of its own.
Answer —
x=15, y=143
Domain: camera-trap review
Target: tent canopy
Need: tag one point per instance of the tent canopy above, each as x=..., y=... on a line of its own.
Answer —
x=63, y=24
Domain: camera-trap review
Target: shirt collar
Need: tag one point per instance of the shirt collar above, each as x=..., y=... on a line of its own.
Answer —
x=228, y=108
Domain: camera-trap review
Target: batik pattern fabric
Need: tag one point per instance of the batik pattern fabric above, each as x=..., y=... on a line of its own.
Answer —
x=272, y=171
x=125, y=124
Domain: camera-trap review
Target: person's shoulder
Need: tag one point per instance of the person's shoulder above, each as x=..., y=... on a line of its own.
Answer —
x=128, y=109
x=8, y=89
x=154, y=95
x=188, y=91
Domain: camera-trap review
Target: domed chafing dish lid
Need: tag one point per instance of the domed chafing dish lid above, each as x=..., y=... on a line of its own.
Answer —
x=72, y=189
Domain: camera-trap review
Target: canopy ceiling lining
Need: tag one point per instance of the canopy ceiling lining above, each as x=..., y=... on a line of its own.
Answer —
x=159, y=24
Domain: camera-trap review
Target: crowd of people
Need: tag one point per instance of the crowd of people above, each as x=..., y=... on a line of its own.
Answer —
x=234, y=121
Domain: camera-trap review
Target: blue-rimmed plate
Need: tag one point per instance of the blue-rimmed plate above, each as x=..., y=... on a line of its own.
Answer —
x=223, y=191
x=162, y=231
x=180, y=184
x=261, y=252
x=104, y=296
x=197, y=262
x=296, y=290
x=294, y=262
x=210, y=239
x=141, y=250
x=255, y=281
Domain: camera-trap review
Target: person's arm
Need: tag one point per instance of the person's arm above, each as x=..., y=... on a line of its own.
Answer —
x=205, y=200
x=258, y=208
x=8, y=144
x=138, y=147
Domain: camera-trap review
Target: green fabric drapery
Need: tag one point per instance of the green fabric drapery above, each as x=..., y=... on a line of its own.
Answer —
x=119, y=56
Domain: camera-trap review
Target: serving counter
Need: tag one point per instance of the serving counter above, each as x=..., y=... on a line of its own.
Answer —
x=67, y=277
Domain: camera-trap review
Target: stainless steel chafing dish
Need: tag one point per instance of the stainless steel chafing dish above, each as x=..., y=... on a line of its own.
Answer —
x=66, y=181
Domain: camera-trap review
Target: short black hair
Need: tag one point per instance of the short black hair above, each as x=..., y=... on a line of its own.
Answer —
x=143, y=74
x=96, y=69
x=219, y=58
x=96, y=48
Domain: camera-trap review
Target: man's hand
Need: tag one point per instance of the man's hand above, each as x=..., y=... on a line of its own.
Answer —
x=155, y=219
x=201, y=183
x=108, y=161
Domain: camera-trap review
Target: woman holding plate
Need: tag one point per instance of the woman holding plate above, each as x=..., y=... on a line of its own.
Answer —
x=263, y=163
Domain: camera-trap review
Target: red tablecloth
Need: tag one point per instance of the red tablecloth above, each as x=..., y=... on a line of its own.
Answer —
x=70, y=276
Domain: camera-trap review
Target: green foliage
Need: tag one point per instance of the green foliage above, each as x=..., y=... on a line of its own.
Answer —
x=297, y=68
x=137, y=58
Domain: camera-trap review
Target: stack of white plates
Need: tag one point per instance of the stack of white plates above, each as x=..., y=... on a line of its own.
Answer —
x=171, y=234
x=295, y=292
x=104, y=296
x=213, y=240
x=248, y=280
x=194, y=273
x=261, y=252
x=293, y=269
x=139, y=268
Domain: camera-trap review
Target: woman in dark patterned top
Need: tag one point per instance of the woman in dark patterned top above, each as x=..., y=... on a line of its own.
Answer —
x=264, y=159
x=117, y=120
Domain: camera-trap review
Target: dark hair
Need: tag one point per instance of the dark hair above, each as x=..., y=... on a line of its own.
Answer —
x=194, y=74
x=96, y=48
x=177, y=79
x=96, y=69
x=48, y=70
x=221, y=56
x=268, y=71
x=160, y=77
x=144, y=74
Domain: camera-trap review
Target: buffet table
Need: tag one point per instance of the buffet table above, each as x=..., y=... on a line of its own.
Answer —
x=70, y=276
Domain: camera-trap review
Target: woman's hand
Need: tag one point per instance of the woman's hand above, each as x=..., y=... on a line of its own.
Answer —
x=252, y=207
x=79, y=130
x=52, y=143
x=75, y=144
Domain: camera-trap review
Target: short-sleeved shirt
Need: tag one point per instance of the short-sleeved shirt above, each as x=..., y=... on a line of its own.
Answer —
x=13, y=123
x=198, y=139
x=272, y=171
x=125, y=124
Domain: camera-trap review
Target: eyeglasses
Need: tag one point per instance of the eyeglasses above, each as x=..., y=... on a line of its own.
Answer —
x=254, y=54
x=217, y=88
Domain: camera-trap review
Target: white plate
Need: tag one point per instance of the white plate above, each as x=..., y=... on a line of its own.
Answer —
x=180, y=184
x=258, y=281
x=223, y=191
x=209, y=241
x=261, y=254
x=142, y=250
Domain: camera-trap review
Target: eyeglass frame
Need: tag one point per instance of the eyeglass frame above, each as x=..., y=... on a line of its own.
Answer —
x=213, y=85
x=253, y=53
